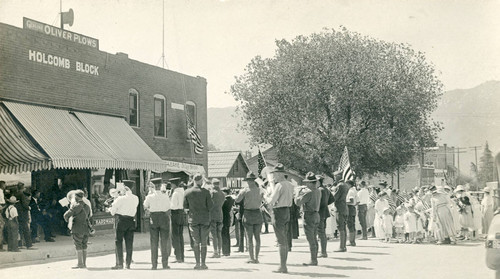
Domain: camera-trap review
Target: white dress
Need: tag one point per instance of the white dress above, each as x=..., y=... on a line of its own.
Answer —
x=410, y=220
x=380, y=205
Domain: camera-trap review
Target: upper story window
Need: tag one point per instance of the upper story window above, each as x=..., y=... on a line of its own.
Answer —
x=160, y=114
x=191, y=112
x=133, y=104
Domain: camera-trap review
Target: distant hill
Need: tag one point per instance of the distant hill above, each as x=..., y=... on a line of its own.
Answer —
x=470, y=117
x=223, y=130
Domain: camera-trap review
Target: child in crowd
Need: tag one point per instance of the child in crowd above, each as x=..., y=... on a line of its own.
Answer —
x=410, y=221
x=12, y=224
x=399, y=224
x=387, y=223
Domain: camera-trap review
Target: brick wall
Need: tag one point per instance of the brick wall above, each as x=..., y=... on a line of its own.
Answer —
x=40, y=83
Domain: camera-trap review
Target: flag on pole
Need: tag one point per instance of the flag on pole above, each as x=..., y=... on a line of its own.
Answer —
x=261, y=162
x=195, y=138
x=373, y=196
x=345, y=166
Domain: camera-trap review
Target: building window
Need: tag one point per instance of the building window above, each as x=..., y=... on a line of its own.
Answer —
x=160, y=126
x=191, y=114
x=133, y=104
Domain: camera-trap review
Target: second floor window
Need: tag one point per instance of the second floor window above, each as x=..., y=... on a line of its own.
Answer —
x=133, y=102
x=160, y=125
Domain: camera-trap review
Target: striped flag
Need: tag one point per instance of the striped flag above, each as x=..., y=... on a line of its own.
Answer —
x=261, y=162
x=373, y=196
x=392, y=204
x=195, y=138
x=425, y=205
x=345, y=166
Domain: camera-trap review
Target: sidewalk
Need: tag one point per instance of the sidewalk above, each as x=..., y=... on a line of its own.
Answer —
x=63, y=248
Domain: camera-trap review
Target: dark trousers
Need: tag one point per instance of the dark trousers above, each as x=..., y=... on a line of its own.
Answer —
x=362, y=209
x=241, y=237
x=351, y=219
x=41, y=220
x=226, y=240
x=322, y=234
x=177, y=233
x=159, y=232
x=281, y=225
x=124, y=231
x=24, y=230
x=311, y=222
x=12, y=228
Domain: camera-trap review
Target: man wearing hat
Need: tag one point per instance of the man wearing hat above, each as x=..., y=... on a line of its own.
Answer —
x=252, y=196
x=199, y=203
x=80, y=229
x=218, y=198
x=158, y=204
x=363, y=201
x=125, y=208
x=309, y=197
x=12, y=225
x=23, y=209
x=340, y=196
x=281, y=201
x=324, y=214
x=177, y=211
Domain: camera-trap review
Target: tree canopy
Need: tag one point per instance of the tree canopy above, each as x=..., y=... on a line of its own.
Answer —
x=332, y=89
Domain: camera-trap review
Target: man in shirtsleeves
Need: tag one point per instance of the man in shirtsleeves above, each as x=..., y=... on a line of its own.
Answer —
x=281, y=201
x=177, y=218
x=309, y=197
x=218, y=198
x=125, y=208
x=158, y=204
x=252, y=196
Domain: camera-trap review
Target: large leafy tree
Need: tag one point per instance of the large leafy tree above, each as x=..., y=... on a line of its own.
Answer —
x=487, y=168
x=338, y=88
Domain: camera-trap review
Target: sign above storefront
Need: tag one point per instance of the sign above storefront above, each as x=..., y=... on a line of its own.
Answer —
x=50, y=30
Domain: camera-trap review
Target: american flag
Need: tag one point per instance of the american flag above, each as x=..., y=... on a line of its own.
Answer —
x=345, y=166
x=261, y=161
x=373, y=196
x=425, y=205
x=195, y=138
x=392, y=204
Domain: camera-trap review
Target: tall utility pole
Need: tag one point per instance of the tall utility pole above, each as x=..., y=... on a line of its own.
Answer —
x=475, y=151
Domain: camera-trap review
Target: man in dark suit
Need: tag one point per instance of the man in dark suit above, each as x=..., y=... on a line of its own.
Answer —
x=39, y=217
x=339, y=196
x=23, y=209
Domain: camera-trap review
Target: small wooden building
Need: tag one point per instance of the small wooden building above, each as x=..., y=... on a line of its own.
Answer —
x=228, y=166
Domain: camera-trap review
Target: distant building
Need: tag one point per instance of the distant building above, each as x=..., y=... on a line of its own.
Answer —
x=228, y=166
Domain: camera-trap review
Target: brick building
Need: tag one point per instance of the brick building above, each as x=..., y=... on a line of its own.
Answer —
x=47, y=73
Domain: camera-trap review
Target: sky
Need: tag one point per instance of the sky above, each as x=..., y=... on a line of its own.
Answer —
x=217, y=39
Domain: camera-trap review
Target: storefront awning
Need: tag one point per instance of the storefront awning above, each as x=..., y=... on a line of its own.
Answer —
x=172, y=166
x=84, y=140
x=19, y=154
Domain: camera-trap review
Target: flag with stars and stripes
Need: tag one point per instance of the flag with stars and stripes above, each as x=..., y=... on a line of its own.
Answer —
x=195, y=138
x=392, y=204
x=401, y=198
x=373, y=196
x=345, y=166
x=261, y=162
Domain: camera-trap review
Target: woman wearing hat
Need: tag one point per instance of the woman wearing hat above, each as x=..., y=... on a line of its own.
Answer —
x=441, y=214
x=12, y=224
x=80, y=229
x=465, y=209
x=487, y=205
x=380, y=205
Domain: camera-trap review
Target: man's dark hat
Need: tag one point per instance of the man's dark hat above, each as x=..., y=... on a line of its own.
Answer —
x=278, y=168
x=250, y=176
x=383, y=183
x=310, y=177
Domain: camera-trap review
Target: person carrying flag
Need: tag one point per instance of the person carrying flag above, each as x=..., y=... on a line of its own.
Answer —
x=339, y=197
x=352, y=201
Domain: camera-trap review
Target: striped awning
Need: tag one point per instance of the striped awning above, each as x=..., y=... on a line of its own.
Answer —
x=84, y=140
x=18, y=153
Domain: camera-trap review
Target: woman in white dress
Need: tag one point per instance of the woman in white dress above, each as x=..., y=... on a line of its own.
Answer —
x=380, y=205
x=487, y=205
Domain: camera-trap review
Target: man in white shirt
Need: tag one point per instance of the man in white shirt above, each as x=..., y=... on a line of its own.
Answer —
x=125, y=208
x=158, y=204
x=364, y=199
x=177, y=210
x=352, y=201
x=2, y=221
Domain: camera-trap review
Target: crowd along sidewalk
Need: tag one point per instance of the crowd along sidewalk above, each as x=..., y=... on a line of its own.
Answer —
x=63, y=249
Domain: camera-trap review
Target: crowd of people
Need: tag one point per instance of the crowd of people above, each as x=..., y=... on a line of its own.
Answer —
x=440, y=215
